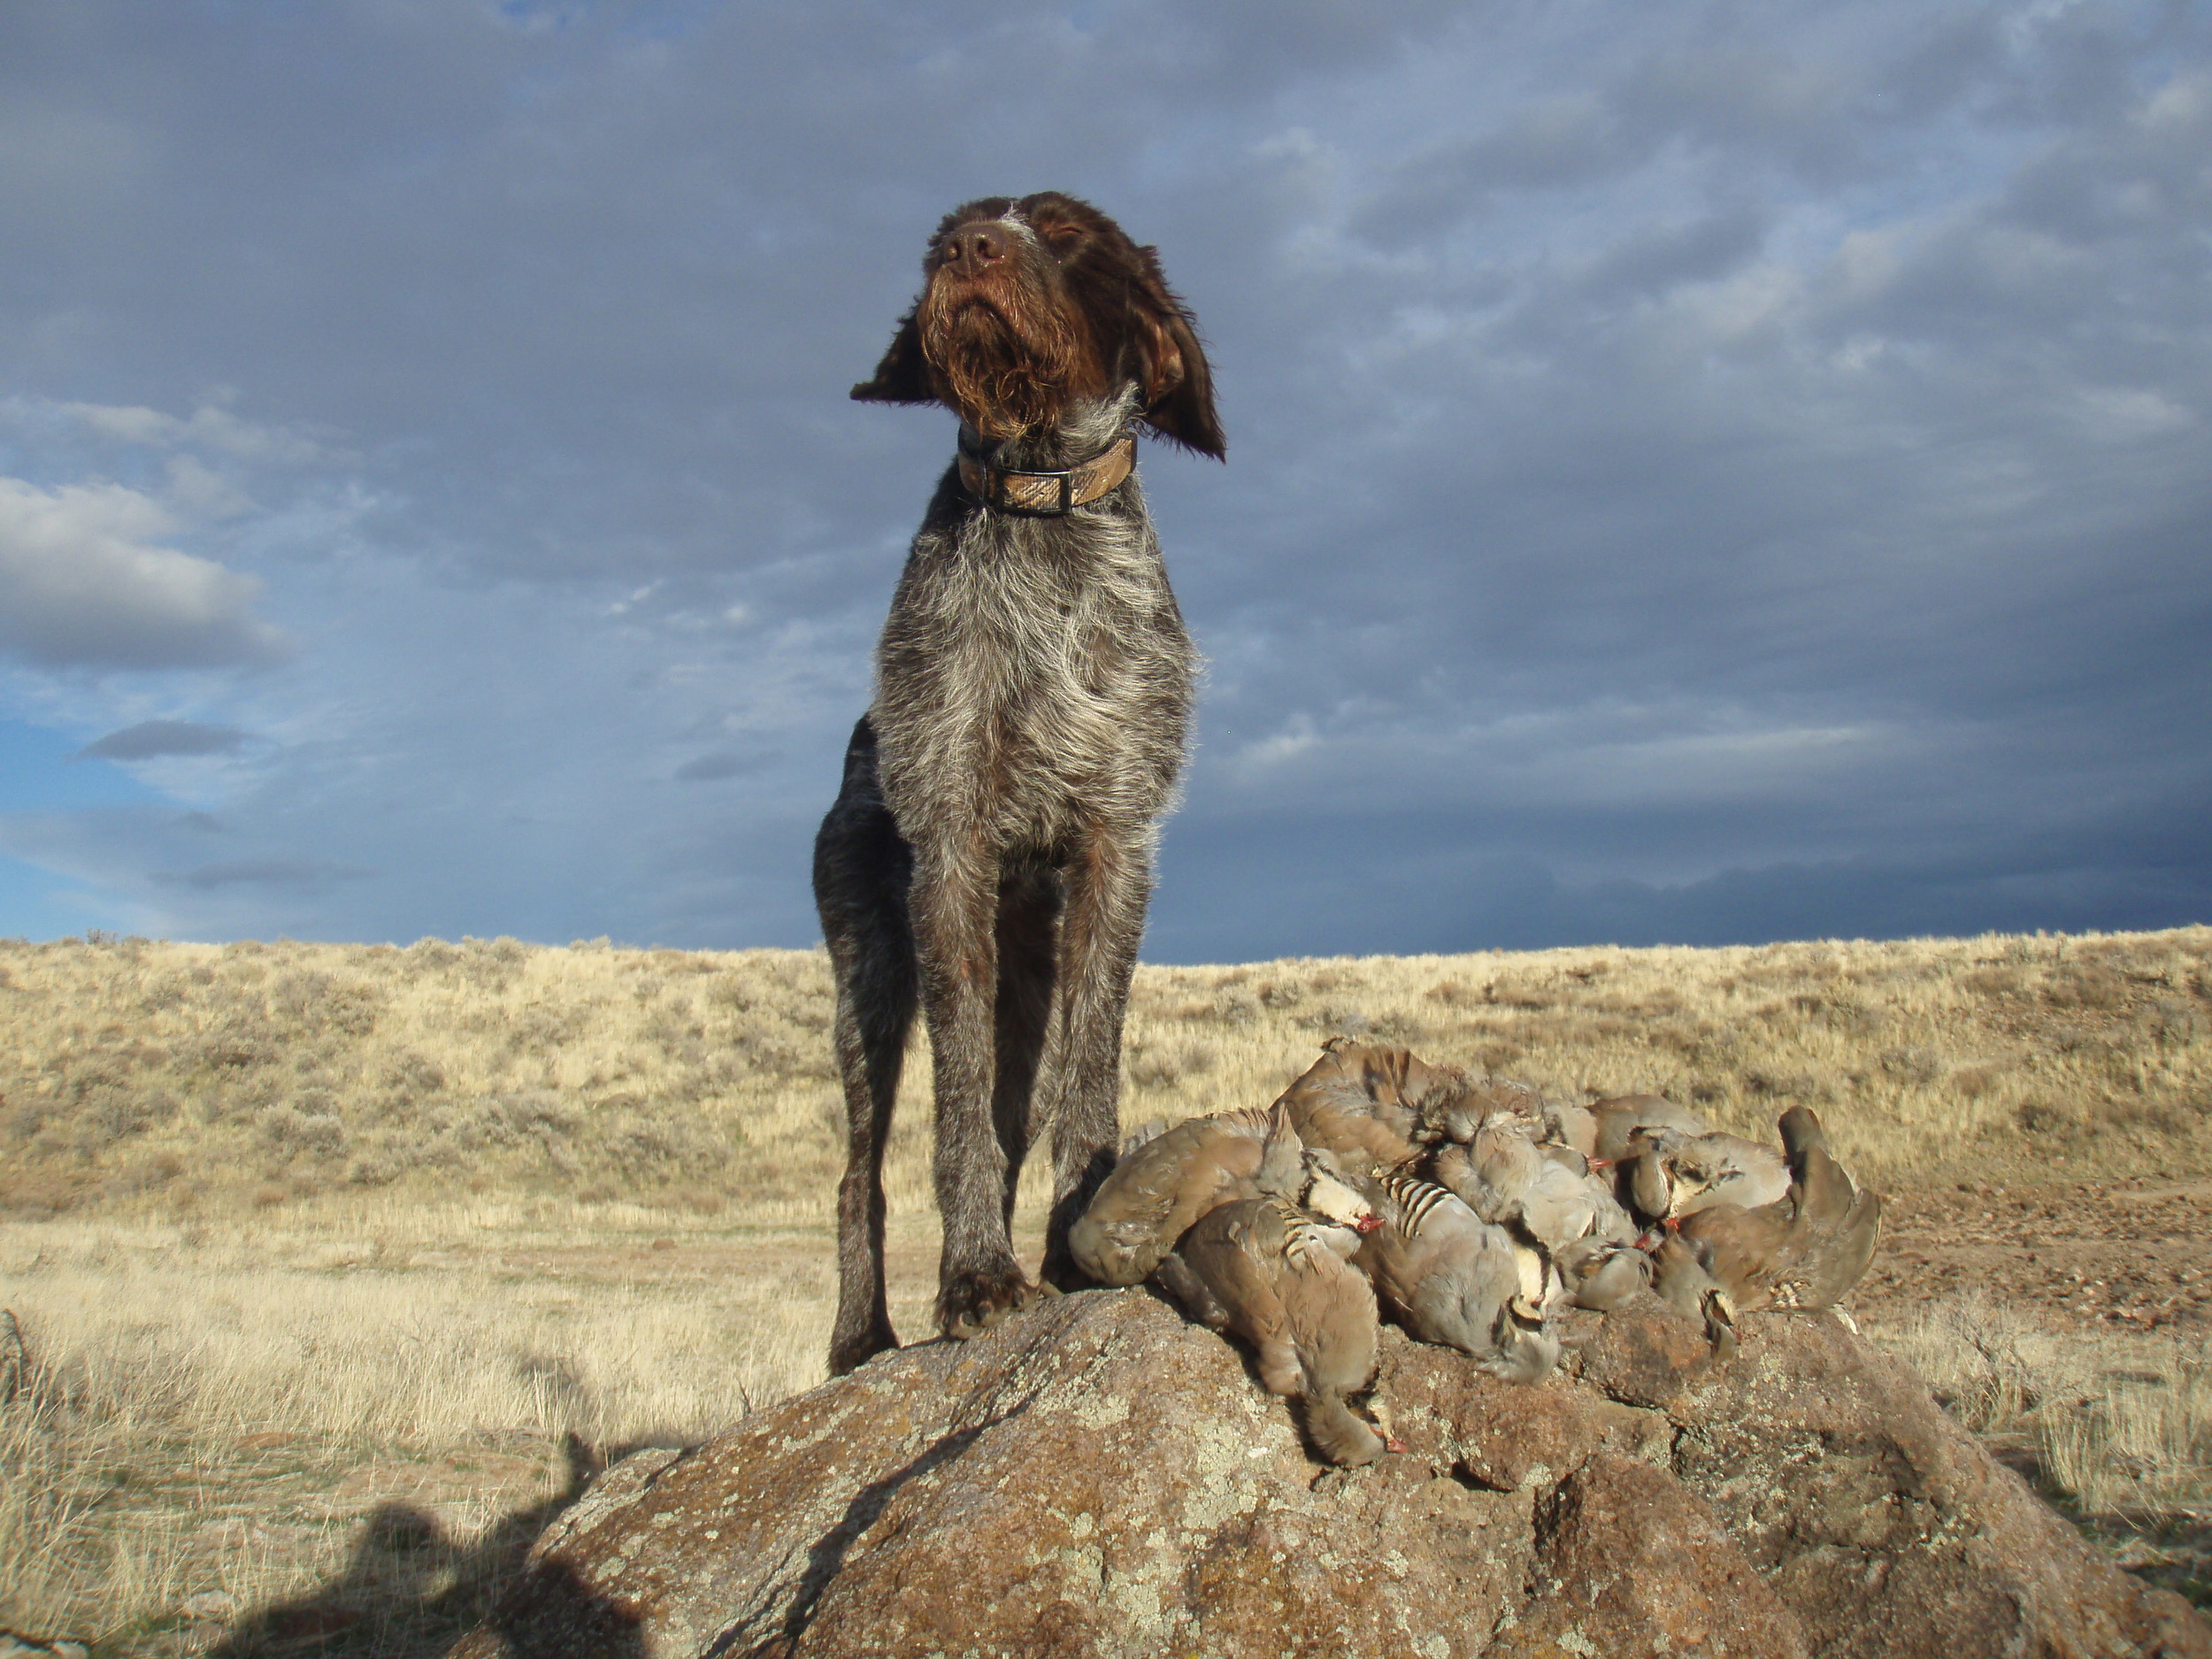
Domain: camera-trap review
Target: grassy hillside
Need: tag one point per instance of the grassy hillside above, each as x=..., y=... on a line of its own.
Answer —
x=181, y=1077
x=304, y=1237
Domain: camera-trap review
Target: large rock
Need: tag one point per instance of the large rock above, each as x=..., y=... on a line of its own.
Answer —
x=1097, y=1477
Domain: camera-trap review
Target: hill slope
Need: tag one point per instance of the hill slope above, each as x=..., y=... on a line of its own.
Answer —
x=138, y=1073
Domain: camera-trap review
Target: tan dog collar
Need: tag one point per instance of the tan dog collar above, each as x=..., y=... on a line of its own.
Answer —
x=1009, y=489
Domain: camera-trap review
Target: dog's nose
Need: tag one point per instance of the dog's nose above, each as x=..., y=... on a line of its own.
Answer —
x=971, y=248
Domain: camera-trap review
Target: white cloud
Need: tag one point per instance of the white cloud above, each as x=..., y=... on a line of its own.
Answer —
x=1270, y=755
x=1745, y=767
x=208, y=427
x=203, y=493
x=84, y=582
x=2124, y=414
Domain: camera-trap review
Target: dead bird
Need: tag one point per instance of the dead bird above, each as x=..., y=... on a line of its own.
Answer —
x=1314, y=1184
x=1372, y=1103
x=1839, y=1226
x=1451, y=1279
x=1605, y=1130
x=1276, y=1275
x=1493, y=1171
x=1681, y=1278
x=1571, y=1200
x=1151, y=1129
x=1601, y=1273
x=1457, y=1117
x=1672, y=1174
x=1164, y=1184
x=1805, y=1250
x=1506, y=1177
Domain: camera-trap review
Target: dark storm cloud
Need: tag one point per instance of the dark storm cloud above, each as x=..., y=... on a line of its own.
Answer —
x=648, y=262
x=1435, y=881
x=262, y=872
x=150, y=739
x=714, y=768
x=1698, y=472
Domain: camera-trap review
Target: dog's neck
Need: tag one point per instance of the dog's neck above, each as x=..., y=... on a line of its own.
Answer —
x=1083, y=432
x=1086, y=455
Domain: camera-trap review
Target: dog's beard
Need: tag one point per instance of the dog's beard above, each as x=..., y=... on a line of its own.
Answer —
x=1006, y=370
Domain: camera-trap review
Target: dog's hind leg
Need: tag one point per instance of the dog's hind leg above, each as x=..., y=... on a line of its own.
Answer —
x=1029, y=909
x=1107, y=883
x=862, y=871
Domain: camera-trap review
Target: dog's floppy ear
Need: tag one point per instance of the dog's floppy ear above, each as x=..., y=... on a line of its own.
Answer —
x=902, y=376
x=1178, y=387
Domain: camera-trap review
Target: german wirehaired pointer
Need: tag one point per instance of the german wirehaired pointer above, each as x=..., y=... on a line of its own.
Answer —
x=990, y=853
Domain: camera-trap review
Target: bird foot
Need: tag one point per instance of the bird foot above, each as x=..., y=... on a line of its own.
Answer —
x=1378, y=1413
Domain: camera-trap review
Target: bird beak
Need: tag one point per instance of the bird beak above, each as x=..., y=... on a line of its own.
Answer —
x=1368, y=1223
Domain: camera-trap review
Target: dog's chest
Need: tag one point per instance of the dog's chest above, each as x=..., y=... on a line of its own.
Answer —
x=1036, y=672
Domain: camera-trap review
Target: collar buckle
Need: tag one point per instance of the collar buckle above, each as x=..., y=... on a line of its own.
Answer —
x=1040, y=494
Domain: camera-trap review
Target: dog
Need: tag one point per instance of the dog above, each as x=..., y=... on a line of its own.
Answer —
x=988, y=859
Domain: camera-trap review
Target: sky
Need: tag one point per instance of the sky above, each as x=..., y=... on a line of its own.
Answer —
x=1697, y=473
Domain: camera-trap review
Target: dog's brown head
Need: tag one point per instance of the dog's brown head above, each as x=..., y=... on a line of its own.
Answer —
x=1030, y=306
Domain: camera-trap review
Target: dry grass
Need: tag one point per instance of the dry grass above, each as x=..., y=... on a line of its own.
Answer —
x=2117, y=1428
x=207, y=1413
x=180, y=1076
x=259, y=1074
x=296, y=1230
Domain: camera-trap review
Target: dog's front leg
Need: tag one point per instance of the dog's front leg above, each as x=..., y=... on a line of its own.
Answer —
x=955, y=904
x=1107, y=882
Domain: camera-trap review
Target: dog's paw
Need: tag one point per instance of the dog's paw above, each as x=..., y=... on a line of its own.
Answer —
x=849, y=1353
x=969, y=1304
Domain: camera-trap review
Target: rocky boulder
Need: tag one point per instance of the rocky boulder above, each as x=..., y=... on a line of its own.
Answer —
x=1097, y=1477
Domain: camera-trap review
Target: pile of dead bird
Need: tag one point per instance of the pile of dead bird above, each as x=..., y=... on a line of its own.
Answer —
x=1473, y=1213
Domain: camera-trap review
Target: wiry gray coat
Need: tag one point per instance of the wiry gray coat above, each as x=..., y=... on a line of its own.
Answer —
x=989, y=855
x=1033, y=686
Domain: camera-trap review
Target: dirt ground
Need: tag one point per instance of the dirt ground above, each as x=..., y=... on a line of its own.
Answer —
x=2070, y=1255
x=2092, y=1261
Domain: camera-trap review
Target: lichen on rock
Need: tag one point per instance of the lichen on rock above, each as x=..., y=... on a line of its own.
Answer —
x=1085, y=1480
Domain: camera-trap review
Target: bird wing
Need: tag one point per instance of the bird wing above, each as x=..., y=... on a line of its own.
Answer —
x=1747, y=1250
x=1332, y=1322
x=1237, y=1252
x=1838, y=1229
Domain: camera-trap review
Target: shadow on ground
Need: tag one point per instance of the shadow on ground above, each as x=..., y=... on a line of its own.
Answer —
x=410, y=1590
x=2172, y=1550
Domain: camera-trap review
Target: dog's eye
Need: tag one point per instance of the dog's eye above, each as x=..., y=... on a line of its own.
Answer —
x=1062, y=239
